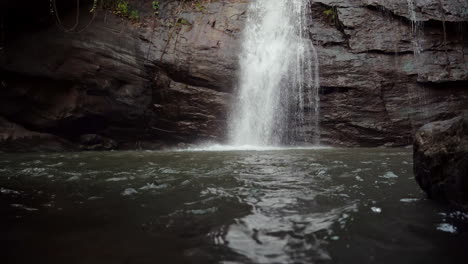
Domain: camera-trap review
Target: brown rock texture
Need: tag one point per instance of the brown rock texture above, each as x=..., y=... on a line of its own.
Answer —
x=170, y=78
x=441, y=160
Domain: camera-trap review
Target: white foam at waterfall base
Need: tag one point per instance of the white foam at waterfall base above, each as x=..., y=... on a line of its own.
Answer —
x=220, y=148
x=278, y=83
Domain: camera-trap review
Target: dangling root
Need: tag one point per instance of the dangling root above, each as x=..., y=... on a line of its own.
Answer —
x=53, y=6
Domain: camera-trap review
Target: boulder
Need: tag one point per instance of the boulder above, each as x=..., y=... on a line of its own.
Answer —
x=441, y=160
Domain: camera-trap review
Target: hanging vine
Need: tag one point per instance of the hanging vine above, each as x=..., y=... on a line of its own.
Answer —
x=73, y=29
x=119, y=8
x=2, y=32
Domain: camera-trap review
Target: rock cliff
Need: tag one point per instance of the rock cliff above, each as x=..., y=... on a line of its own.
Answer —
x=169, y=78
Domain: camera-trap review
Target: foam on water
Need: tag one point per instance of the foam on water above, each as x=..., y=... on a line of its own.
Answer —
x=220, y=148
x=447, y=228
x=260, y=207
x=116, y=179
x=152, y=186
x=26, y=208
x=129, y=191
x=389, y=175
x=409, y=200
x=8, y=191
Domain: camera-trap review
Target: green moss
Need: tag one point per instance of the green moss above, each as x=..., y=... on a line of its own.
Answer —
x=199, y=6
x=122, y=9
x=183, y=22
x=134, y=15
x=155, y=5
x=331, y=14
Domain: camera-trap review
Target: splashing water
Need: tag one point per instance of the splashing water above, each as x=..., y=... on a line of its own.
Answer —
x=278, y=100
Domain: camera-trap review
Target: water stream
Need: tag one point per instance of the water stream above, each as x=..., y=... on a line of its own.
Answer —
x=278, y=101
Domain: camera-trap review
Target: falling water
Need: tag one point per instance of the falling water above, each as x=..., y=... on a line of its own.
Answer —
x=418, y=94
x=415, y=28
x=278, y=100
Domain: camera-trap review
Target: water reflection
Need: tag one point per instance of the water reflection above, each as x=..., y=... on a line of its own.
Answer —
x=271, y=206
x=282, y=190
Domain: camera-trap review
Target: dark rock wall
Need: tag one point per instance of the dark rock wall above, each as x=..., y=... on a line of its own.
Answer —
x=376, y=90
x=171, y=78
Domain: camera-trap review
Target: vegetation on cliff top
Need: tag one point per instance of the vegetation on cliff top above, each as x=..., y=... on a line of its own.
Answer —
x=122, y=8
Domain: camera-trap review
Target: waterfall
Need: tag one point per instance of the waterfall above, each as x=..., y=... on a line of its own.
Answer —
x=278, y=100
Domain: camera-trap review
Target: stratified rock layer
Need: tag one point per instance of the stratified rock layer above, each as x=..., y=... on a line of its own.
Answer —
x=441, y=160
x=171, y=78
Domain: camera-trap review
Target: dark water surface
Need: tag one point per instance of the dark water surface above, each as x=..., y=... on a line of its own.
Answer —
x=282, y=206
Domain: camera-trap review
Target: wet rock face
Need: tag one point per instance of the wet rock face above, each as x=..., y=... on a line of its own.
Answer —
x=165, y=80
x=441, y=160
x=382, y=75
x=425, y=10
x=171, y=78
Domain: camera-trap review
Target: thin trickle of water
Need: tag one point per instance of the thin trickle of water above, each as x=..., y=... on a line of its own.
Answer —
x=415, y=28
x=278, y=100
x=417, y=93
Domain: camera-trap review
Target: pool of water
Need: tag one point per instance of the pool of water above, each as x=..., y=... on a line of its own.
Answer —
x=240, y=206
